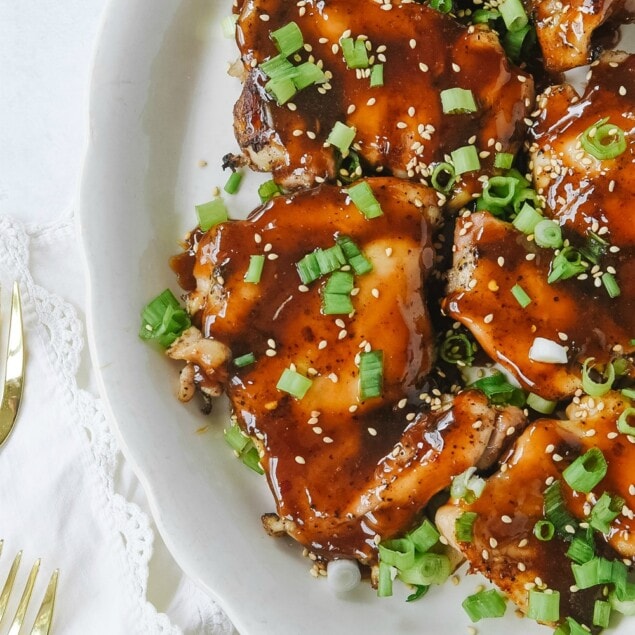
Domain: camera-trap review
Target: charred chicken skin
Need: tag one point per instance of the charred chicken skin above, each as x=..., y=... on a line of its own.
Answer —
x=400, y=126
x=492, y=257
x=344, y=471
x=505, y=547
x=565, y=30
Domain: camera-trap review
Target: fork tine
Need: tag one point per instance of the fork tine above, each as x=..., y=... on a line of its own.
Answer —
x=8, y=585
x=16, y=625
x=44, y=617
x=14, y=369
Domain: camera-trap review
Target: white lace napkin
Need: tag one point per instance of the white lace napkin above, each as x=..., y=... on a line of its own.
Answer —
x=66, y=493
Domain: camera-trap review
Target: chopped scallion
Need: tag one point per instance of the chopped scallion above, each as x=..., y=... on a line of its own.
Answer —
x=465, y=159
x=601, y=613
x=341, y=136
x=425, y=536
x=513, y=14
x=228, y=26
x=254, y=272
x=580, y=551
x=458, y=101
x=442, y=6
x=307, y=74
x=544, y=530
x=363, y=198
x=294, y=383
x=503, y=160
x=308, y=268
x=339, y=282
x=594, y=388
x=336, y=304
x=244, y=360
x=566, y=264
x=384, y=583
x=610, y=284
x=499, y=391
x=428, y=568
x=484, y=604
x=544, y=606
x=377, y=75
x=605, y=511
x=537, y=403
x=521, y=296
x=527, y=219
x=211, y=214
x=623, y=424
x=548, y=234
x=355, y=53
x=586, y=471
x=399, y=552
x=354, y=256
x=233, y=182
x=282, y=89
x=163, y=319
x=603, y=140
x=457, y=349
x=443, y=177
x=499, y=191
x=464, y=526
x=288, y=39
x=556, y=512
x=371, y=374
x=467, y=486
x=268, y=190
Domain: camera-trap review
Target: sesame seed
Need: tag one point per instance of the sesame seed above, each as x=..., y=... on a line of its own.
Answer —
x=488, y=318
x=300, y=460
x=327, y=440
x=264, y=17
x=372, y=432
x=506, y=519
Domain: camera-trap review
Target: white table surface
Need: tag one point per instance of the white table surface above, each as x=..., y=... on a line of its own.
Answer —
x=46, y=53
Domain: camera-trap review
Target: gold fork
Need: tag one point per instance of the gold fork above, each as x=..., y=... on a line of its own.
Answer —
x=14, y=369
x=42, y=624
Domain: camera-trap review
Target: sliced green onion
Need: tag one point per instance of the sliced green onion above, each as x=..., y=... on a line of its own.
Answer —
x=544, y=606
x=465, y=159
x=337, y=304
x=580, y=551
x=428, y=568
x=513, y=14
x=521, y=296
x=339, y=282
x=363, y=198
x=527, y=219
x=457, y=349
x=503, y=160
x=233, y=182
x=443, y=177
x=556, y=511
x=620, y=366
x=278, y=67
x=594, y=248
x=623, y=605
x=600, y=571
x=499, y=391
x=228, y=26
x=483, y=16
x=425, y=536
x=570, y=627
x=601, y=613
x=603, y=140
x=514, y=41
x=605, y=511
x=282, y=89
x=268, y=190
x=330, y=259
x=398, y=553
x=254, y=272
x=377, y=75
x=467, y=486
x=244, y=360
x=464, y=526
x=354, y=256
x=307, y=74
x=537, y=403
x=629, y=393
x=288, y=39
x=371, y=374
x=484, y=604
x=458, y=101
x=236, y=438
x=623, y=425
x=547, y=233
x=586, y=471
x=526, y=196
x=163, y=319
x=384, y=583
x=308, y=268
x=341, y=136
x=610, y=284
x=420, y=591
x=442, y=6
x=499, y=191
x=211, y=214
x=566, y=264
x=294, y=383
x=594, y=388
x=544, y=530
x=349, y=167
x=355, y=53
x=251, y=459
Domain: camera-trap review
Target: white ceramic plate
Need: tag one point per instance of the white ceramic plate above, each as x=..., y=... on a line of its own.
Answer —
x=161, y=102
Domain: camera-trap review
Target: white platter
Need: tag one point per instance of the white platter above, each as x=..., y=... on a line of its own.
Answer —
x=161, y=102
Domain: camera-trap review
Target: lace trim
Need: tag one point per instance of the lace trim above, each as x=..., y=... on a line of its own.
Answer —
x=57, y=323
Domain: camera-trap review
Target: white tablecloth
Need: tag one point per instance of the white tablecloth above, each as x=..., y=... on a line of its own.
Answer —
x=67, y=494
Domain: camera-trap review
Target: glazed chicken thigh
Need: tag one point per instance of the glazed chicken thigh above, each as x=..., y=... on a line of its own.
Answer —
x=504, y=546
x=344, y=470
x=491, y=257
x=399, y=125
x=565, y=29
